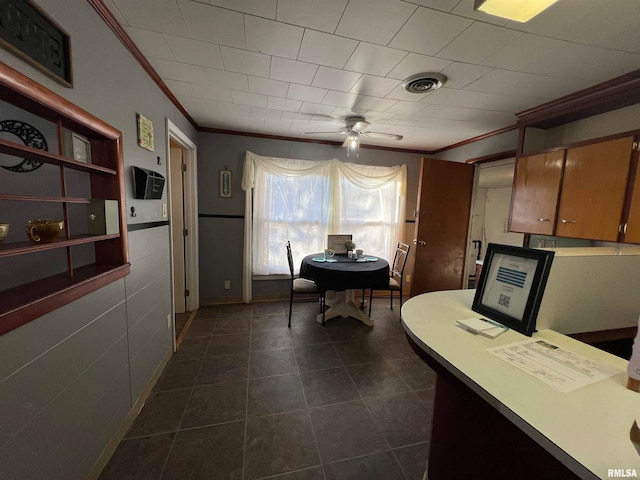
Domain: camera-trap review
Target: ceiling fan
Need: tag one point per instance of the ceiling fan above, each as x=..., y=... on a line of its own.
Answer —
x=355, y=128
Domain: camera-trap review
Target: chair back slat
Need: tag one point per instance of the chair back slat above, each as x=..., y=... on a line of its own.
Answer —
x=290, y=258
x=400, y=260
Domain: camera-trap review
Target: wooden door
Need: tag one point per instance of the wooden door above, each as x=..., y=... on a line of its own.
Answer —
x=177, y=230
x=536, y=189
x=593, y=191
x=632, y=228
x=444, y=205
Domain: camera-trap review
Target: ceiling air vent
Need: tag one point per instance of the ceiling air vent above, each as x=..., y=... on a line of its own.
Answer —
x=424, y=82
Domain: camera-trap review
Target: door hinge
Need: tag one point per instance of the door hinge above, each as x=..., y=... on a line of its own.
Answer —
x=184, y=167
x=186, y=293
x=185, y=232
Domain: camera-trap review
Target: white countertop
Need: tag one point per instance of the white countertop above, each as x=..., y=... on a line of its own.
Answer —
x=587, y=429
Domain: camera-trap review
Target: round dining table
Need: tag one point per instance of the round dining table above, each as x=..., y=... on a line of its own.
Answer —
x=340, y=277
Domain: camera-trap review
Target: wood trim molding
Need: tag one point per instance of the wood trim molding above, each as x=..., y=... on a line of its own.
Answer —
x=475, y=139
x=492, y=158
x=113, y=24
x=616, y=93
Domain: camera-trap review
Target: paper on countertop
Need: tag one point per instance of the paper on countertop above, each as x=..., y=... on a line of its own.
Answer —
x=558, y=367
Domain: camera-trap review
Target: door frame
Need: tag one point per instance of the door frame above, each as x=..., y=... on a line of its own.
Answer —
x=190, y=199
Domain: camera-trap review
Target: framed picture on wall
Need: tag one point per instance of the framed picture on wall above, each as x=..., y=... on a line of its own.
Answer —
x=225, y=183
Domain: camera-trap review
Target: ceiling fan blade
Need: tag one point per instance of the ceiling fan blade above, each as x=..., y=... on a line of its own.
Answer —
x=390, y=136
x=344, y=132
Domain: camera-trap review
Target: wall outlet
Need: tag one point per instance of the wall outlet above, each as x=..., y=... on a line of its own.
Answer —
x=407, y=278
x=227, y=284
x=169, y=322
x=164, y=210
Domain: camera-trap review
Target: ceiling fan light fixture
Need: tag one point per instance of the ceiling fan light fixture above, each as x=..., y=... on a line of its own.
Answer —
x=517, y=10
x=353, y=144
x=424, y=82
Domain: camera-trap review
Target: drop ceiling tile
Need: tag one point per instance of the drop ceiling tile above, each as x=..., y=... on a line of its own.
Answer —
x=486, y=101
x=414, y=63
x=220, y=78
x=374, y=103
x=444, y=5
x=334, y=79
x=157, y=15
x=528, y=49
x=323, y=16
x=212, y=24
x=292, y=70
x=205, y=111
x=284, y=104
x=242, y=61
x=273, y=38
x=406, y=108
x=151, y=44
x=428, y=31
x=297, y=117
x=375, y=86
x=306, y=93
x=340, y=99
x=208, y=92
x=459, y=75
x=179, y=88
x=622, y=14
x=178, y=71
x=266, y=113
x=374, y=21
x=260, y=8
x=251, y=99
x=316, y=109
x=194, y=52
x=265, y=86
x=577, y=61
x=517, y=83
x=478, y=42
x=324, y=49
x=467, y=114
x=374, y=59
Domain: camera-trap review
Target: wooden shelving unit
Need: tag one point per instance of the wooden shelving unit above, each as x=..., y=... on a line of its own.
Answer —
x=38, y=296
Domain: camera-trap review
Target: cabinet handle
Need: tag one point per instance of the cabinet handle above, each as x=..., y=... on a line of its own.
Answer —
x=623, y=228
x=567, y=221
x=544, y=219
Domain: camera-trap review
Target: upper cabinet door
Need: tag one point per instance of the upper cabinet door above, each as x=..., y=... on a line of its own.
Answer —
x=593, y=190
x=536, y=189
x=631, y=233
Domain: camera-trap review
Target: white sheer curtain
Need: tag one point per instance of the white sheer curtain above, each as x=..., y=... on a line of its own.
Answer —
x=303, y=201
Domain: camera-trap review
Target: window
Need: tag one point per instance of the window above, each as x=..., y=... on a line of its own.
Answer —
x=303, y=201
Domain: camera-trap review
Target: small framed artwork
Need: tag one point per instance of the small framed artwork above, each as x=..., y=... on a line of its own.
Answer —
x=225, y=183
x=76, y=146
x=512, y=284
x=145, y=132
x=337, y=243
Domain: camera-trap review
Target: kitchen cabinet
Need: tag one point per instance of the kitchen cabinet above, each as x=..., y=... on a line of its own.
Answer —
x=593, y=191
x=36, y=278
x=536, y=189
x=586, y=185
x=631, y=228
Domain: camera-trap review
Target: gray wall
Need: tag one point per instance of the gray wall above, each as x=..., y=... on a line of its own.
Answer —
x=221, y=238
x=69, y=378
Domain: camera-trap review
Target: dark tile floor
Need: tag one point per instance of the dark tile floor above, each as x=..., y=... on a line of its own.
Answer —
x=247, y=398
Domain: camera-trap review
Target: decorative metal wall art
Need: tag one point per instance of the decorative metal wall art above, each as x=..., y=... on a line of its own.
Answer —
x=31, y=137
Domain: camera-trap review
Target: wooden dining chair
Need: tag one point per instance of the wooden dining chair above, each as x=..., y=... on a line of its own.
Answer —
x=302, y=285
x=396, y=274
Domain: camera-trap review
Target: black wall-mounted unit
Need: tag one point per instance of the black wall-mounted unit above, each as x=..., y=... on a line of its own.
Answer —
x=147, y=184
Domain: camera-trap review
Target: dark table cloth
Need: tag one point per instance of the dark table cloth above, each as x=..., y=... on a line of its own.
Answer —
x=346, y=273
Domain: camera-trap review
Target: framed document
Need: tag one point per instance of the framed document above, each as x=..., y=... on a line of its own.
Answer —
x=337, y=243
x=512, y=284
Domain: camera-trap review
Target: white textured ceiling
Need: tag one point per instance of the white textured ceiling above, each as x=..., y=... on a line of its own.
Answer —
x=285, y=67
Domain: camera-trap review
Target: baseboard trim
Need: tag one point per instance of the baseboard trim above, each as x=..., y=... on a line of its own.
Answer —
x=111, y=447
